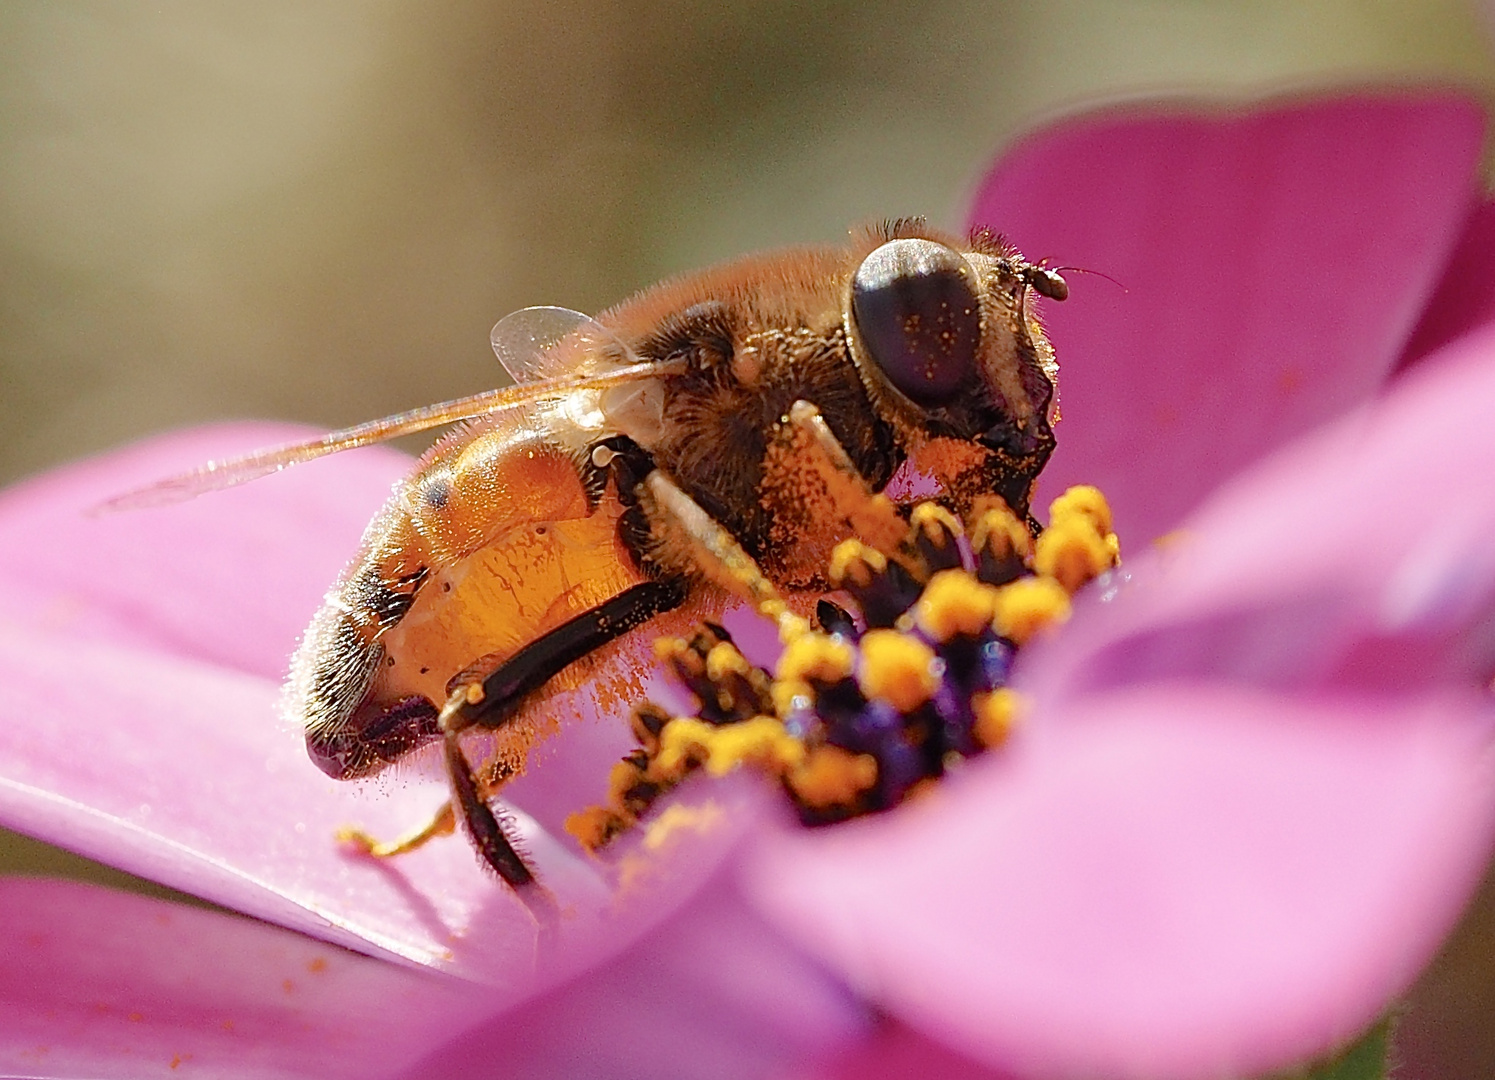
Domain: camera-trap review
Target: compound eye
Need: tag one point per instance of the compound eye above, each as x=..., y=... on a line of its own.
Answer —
x=916, y=310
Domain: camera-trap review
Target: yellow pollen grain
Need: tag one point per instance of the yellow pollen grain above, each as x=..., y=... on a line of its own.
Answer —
x=830, y=776
x=897, y=668
x=816, y=657
x=954, y=603
x=854, y=563
x=761, y=741
x=596, y=825
x=1085, y=500
x=996, y=713
x=666, y=648
x=685, y=741
x=724, y=660
x=1071, y=552
x=792, y=627
x=1028, y=605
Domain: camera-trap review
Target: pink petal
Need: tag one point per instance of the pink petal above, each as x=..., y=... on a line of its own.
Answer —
x=1359, y=558
x=898, y=1052
x=182, y=773
x=99, y=983
x=1179, y=881
x=232, y=577
x=1274, y=263
x=712, y=992
x=1464, y=299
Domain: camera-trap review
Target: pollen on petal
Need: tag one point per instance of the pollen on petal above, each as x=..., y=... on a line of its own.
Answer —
x=830, y=776
x=897, y=668
x=1027, y=606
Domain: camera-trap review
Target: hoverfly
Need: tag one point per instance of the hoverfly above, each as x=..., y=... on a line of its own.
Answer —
x=717, y=433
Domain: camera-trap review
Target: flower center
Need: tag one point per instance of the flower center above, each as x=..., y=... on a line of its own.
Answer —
x=864, y=710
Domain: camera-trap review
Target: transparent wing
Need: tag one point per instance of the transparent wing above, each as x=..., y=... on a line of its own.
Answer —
x=230, y=472
x=535, y=344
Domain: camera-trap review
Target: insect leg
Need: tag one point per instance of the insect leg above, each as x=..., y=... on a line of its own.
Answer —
x=483, y=826
x=492, y=702
x=804, y=452
x=442, y=823
x=692, y=541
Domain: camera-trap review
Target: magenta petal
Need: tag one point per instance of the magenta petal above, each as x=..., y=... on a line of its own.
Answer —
x=898, y=1052
x=714, y=991
x=1358, y=558
x=1274, y=264
x=1464, y=298
x=1181, y=881
x=232, y=577
x=99, y=983
x=183, y=773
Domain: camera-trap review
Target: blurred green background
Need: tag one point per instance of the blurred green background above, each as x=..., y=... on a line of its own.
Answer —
x=217, y=210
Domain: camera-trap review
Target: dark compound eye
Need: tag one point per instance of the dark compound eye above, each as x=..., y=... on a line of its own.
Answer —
x=916, y=310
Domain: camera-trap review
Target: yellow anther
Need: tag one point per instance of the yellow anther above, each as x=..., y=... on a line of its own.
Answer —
x=996, y=713
x=1028, y=605
x=816, y=657
x=1071, y=552
x=596, y=825
x=854, y=563
x=724, y=660
x=1087, y=501
x=621, y=778
x=792, y=627
x=954, y=603
x=830, y=776
x=647, y=721
x=934, y=522
x=998, y=530
x=897, y=668
x=784, y=693
x=684, y=742
x=761, y=741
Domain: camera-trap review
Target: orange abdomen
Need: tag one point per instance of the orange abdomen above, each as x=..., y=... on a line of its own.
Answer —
x=492, y=543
